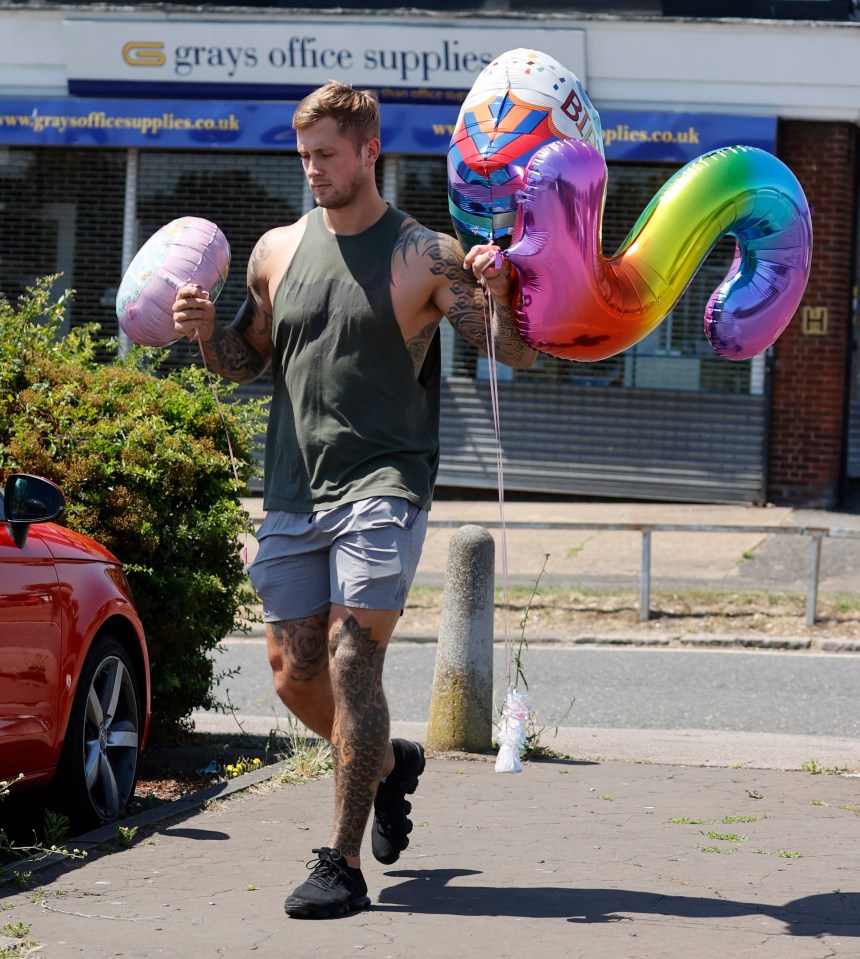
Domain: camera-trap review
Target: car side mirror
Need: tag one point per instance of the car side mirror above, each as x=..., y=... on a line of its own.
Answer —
x=30, y=499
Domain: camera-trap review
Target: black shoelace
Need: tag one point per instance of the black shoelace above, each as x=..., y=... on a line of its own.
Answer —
x=326, y=872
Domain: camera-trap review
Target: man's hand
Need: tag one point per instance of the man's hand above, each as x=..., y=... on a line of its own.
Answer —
x=194, y=313
x=491, y=269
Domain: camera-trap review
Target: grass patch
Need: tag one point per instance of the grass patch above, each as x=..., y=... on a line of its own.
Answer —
x=694, y=603
x=306, y=757
x=20, y=950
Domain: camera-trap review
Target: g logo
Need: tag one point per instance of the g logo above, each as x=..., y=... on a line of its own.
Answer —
x=143, y=54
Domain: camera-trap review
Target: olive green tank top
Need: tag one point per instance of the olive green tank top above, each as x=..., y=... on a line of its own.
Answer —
x=348, y=419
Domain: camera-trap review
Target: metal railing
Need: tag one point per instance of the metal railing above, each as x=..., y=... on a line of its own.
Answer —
x=817, y=536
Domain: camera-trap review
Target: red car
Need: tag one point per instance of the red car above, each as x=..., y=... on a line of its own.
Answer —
x=74, y=670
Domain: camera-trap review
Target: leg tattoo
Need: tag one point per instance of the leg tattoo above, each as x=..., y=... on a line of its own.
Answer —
x=298, y=655
x=303, y=644
x=360, y=732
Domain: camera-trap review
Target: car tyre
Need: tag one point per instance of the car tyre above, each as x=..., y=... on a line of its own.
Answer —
x=99, y=763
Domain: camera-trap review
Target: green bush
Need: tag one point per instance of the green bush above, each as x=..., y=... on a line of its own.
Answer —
x=142, y=457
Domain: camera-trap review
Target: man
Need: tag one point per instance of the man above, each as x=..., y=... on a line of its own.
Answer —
x=345, y=303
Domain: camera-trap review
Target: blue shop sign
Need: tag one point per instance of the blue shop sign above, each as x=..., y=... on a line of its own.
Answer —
x=406, y=128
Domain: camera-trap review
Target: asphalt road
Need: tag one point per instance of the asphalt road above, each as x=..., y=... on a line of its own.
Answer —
x=631, y=688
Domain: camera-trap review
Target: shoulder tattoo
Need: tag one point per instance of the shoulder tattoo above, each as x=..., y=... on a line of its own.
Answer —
x=253, y=313
x=441, y=253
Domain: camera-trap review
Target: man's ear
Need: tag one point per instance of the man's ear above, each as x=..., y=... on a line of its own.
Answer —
x=373, y=148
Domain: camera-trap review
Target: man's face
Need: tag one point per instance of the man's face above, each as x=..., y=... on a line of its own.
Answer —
x=334, y=168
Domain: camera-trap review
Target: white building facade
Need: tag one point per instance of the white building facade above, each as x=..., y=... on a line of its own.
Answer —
x=115, y=120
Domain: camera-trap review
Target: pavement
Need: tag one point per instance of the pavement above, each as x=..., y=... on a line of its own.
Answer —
x=633, y=847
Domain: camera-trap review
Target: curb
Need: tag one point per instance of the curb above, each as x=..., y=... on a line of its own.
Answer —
x=165, y=811
x=682, y=641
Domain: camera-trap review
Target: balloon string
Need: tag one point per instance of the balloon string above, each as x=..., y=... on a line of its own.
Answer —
x=196, y=339
x=494, y=403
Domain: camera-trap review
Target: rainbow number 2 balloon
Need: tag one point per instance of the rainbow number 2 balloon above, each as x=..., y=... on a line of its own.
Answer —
x=519, y=103
x=574, y=303
x=187, y=250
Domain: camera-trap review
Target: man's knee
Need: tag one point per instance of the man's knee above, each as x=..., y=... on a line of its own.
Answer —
x=357, y=645
x=364, y=633
x=298, y=649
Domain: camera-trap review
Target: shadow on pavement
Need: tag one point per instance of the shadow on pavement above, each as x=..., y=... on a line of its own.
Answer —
x=428, y=892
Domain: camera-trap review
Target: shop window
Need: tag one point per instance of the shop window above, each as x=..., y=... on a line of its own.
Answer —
x=62, y=212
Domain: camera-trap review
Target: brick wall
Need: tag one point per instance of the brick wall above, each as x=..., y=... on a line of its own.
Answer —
x=810, y=371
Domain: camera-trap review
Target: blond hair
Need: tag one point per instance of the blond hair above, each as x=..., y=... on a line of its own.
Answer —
x=356, y=111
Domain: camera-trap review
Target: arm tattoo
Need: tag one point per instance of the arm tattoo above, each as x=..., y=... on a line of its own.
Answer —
x=261, y=252
x=232, y=354
x=412, y=238
x=470, y=313
x=419, y=345
x=511, y=348
x=360, y=732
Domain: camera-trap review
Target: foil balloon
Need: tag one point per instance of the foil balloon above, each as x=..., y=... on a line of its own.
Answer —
x=187, y=250
x=520, y=102
x=572, y=302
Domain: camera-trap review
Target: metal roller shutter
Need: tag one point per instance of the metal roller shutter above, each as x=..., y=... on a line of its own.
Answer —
x=587, y=441
x=854, y=439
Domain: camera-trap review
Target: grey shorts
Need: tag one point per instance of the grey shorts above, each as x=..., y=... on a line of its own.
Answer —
x=363, y=554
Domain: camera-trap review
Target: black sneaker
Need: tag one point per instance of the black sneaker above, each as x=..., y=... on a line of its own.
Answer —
x=391, y=824
x=332, y=889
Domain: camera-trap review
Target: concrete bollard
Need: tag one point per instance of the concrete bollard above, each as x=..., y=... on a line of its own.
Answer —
x=461, y=708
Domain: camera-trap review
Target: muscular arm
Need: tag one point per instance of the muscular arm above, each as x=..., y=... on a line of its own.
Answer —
x=461, y=298
x=241, y=351
x=510, y=347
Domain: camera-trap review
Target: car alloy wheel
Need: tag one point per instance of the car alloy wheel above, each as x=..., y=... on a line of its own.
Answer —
x=103, y=739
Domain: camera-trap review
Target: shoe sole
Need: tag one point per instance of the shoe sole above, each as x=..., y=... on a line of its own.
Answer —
x=411, y=786
x=303, y=911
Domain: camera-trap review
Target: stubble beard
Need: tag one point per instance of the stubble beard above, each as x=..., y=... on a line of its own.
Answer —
x=338, y=199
